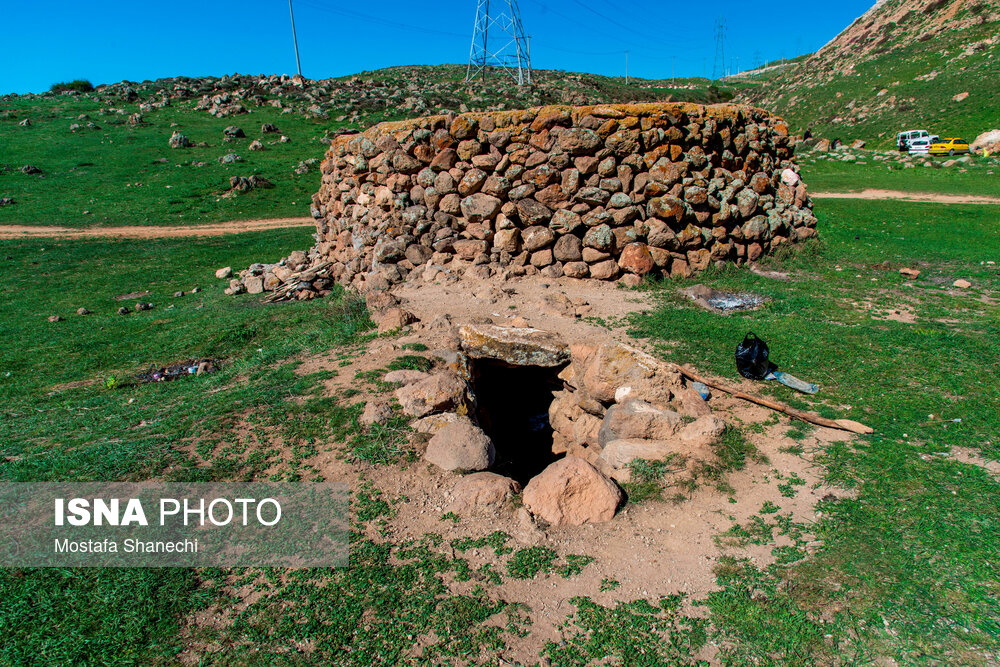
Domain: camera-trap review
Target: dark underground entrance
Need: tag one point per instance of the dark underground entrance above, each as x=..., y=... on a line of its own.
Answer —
x=512, y=407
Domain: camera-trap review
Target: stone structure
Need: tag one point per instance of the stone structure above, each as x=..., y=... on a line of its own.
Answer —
x=601, y=192
x=613, y=404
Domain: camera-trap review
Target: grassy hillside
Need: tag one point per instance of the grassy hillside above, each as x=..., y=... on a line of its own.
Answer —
x=108, y=171
x=909, y=82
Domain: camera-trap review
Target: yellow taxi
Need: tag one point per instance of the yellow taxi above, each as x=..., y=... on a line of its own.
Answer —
x=953, y=146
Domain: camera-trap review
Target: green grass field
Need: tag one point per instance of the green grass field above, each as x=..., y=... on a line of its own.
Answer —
x=909, y=565
x=114, y=175
x=981, y=178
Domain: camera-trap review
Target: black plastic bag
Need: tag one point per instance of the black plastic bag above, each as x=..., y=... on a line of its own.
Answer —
x=753, y=358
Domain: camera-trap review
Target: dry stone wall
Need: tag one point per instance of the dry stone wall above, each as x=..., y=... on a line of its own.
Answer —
x=605, y=192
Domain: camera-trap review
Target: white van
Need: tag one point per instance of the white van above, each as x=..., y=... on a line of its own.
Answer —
x=905, y=139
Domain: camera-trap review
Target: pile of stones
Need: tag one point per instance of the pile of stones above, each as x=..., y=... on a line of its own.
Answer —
x=618, y=405
x=604, y=192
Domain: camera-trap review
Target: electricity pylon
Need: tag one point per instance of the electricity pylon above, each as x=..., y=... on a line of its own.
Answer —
x=720, y=50
x=498, y=41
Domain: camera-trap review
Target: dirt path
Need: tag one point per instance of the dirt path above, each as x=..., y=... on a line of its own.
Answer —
x=240, y=226
x=138, y=232
x=896, y=195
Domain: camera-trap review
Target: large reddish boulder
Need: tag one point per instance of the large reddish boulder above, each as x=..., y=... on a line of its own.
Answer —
x=571, y=492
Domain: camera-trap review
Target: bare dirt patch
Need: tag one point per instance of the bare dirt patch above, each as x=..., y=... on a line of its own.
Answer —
x=896, y=195
x=972, y=457
x=140, y=232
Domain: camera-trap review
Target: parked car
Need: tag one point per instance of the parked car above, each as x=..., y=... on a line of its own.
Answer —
x=952, y=146
x=904, y=139
x=919, y=147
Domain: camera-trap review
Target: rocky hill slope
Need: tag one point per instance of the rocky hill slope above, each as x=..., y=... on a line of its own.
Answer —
x=892, y=25
x=930, y=64
x=393, y=93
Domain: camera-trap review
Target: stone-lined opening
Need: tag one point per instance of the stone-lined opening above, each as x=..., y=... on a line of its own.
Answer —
x=512, y=407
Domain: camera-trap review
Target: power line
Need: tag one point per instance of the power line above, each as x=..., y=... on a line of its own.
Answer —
x=378, y=20
x=614, y=22
x=650, y=53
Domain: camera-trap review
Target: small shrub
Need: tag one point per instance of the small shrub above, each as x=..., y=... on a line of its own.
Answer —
x=79, y=85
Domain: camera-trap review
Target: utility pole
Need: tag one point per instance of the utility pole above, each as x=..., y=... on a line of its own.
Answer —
x=295, y=40
x=626, y=68
x=499, y=41
x=673, y=72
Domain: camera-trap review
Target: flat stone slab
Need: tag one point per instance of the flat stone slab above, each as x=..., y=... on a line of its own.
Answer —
x=515, y=346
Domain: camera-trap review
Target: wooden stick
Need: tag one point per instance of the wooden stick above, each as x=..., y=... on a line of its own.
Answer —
x=841, y=424
x=320, y=271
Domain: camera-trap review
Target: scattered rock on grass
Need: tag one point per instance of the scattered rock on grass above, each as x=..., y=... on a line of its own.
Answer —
x=55, y=318
x=178, y=140
x=224, y=273
x=961, y=283
x=82, y=311
x=248, y=183
x=376, y=412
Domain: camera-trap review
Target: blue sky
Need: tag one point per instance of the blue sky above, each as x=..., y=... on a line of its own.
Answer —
x=54, y=40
